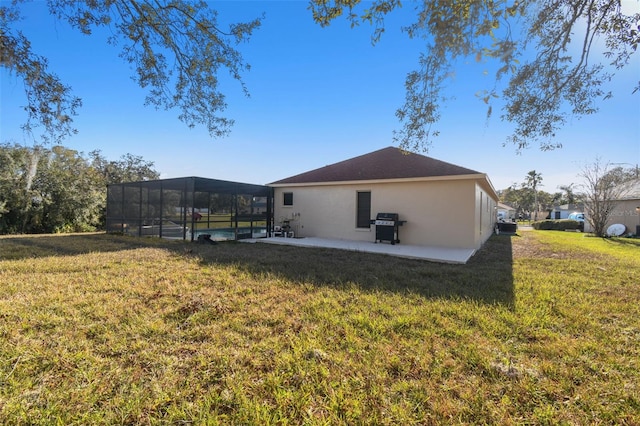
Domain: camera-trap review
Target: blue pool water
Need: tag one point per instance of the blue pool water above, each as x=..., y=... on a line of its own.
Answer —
x=224, y=234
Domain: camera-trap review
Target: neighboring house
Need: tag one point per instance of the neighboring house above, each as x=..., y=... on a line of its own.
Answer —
x=626, y=208
x=506, y=213
x=444, y=205
x=563, y=211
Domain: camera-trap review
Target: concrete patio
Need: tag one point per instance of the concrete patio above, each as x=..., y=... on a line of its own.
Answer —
x=433, y=254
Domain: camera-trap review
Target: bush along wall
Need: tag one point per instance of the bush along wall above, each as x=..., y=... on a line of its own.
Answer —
x=558, y=225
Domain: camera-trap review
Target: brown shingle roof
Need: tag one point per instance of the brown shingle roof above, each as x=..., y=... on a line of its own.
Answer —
x=386, y=163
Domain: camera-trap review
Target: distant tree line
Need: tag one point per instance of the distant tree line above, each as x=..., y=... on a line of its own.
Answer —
x=57, y=189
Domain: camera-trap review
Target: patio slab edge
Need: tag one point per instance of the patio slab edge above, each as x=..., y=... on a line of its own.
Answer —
x=432, y=254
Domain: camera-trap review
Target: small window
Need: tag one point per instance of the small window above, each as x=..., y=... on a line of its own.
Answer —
x=363, y=207
x=287, y=199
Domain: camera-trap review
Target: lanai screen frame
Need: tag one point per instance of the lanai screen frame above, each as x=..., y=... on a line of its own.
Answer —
x=141, y=208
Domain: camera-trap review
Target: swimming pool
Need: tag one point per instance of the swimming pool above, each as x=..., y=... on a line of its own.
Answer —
x=226, y=234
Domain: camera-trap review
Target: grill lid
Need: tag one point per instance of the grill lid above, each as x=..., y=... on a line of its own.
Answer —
x=387, y=216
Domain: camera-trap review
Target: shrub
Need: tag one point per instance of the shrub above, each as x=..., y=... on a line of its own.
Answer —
x=558, y=225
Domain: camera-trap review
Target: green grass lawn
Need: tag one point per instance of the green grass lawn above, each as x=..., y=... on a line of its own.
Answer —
x=540, y=328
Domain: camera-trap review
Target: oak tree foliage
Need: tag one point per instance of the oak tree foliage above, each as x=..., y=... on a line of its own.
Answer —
x=57, y=189
x=547, y=65
x=177, y=49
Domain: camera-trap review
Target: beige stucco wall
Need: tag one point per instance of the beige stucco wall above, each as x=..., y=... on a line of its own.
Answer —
x=626, y=214
x=452, y=213
x=485, y=215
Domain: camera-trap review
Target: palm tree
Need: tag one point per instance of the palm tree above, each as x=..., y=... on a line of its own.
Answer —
x=569, y=196
x=532, y=180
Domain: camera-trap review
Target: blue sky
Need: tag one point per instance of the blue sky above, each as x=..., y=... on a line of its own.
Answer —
x=318, y=96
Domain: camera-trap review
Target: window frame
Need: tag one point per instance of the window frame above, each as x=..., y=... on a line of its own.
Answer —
x=287, y=199
x=361, y=209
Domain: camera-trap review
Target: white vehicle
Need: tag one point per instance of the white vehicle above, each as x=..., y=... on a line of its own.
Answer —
x=579, y=217
x=576, y=216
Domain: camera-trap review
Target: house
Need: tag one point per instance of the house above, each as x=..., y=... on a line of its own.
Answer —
x=443, y=205
x=627, y=207
x=506, y=213
x=563, y=211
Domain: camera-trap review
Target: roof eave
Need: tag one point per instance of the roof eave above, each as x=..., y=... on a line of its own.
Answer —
x=396, y=180
x=489, y=186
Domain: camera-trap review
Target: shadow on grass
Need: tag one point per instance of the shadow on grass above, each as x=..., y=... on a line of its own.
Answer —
x=623, y=241
x=487, y=277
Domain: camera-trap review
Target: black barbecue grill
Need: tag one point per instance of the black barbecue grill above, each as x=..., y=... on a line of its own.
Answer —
x=387, y=227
